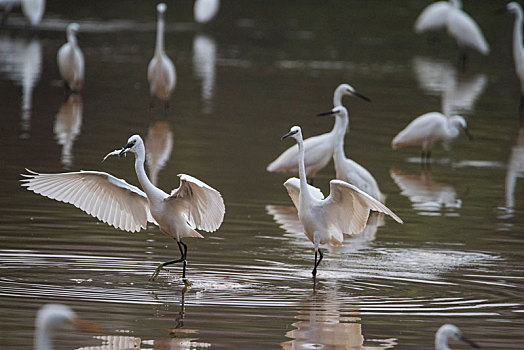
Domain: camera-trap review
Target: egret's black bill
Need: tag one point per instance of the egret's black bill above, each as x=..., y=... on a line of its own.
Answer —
x=470, y=342
x=325, y=113
x=362, y=96
x=289, y=134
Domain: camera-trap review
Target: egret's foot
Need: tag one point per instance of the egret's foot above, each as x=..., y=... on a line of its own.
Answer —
x=187, y=282
x=157, y=271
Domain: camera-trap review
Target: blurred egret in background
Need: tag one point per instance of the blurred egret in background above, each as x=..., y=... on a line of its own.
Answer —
x=518, y=50
x=447, y=331
x=325, y=221
x=427, y=129
x=70, y=60
x=161, y=73
x=318, y=149
x=52, y=316
x=193, y=205
x=205, y=10
x=459, y=25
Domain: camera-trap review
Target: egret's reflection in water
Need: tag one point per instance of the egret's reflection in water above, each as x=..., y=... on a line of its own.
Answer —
x=204, y=57
x=458, y=92
x=21, y=60
x=67, y=126
x=321, y=325
x=514, y=171
x=159, y=144
x=427, y=196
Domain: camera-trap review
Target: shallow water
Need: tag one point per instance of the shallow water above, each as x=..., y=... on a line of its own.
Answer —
x=242, y=82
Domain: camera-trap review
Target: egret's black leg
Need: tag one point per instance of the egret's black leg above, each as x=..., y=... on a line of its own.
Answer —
x=317, y=262
x=183, y=254
x=310, y=181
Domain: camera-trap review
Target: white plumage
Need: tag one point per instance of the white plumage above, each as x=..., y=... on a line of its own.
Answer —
x=70, y=60
x=33, y=10
x=459, y=25
x=161, y=73
x=347, y=169
x=429, y=128
x=325, y=221
x=447, y=331
x=318, y=149
x=518, y=50
x=193, y=205
x=205, y=10
x=52, y=316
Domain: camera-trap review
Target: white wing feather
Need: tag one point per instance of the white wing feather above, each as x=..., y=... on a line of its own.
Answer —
x=203, y=204
x=293, y=188
x=348, y=207
x=109, y=199
x=433, y=17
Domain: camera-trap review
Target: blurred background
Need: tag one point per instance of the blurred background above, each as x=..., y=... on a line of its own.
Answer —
x=242, y=80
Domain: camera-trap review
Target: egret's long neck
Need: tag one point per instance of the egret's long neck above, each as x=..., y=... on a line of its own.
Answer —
x=304, y=191
x=140, y=158
x=338, y=154
x=71, y=38
x=159, y=49
x=518, y=51
x=42, y=339
x=337, y=97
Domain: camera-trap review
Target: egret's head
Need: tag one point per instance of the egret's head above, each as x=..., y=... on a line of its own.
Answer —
x=451, y=331
x=51, y=316
x=514, y=8
x=348, y=90
x=73, y=28
x=294, y=132
x=161, y=8
x=460, y=123
x=339, y=111
x=133, y=144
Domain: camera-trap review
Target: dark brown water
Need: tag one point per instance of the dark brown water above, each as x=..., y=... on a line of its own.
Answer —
x=242, y=82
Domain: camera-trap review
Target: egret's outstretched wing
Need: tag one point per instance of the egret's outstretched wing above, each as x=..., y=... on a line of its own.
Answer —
x=348, y=208
x=293, y=188
x=99, y=194
x=203, y=204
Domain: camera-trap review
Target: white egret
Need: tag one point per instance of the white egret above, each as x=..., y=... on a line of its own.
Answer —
x=325, y=221
x=447, y=331
x=51, y=317
x=428, y=128
x=161, y=73
x=193, y=205
x=318, y=149
x=459, y=25
x=205, y=10
x=70, y=60
x=518, y=50
x=347, y=169
x=433, y=17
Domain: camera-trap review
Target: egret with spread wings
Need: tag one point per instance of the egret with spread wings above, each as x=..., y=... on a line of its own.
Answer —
x=193, y=205
x=325, y=221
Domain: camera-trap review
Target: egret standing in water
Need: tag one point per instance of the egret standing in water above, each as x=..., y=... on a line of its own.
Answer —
x=518, y=50
x=459, y=25
x=318, y=149
x=52, y=316
x=325, y=221
x=161, y=72
x=429, y=128
x=70, y=60
x=193, y=205
x=347, y=169
x=448, y=331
